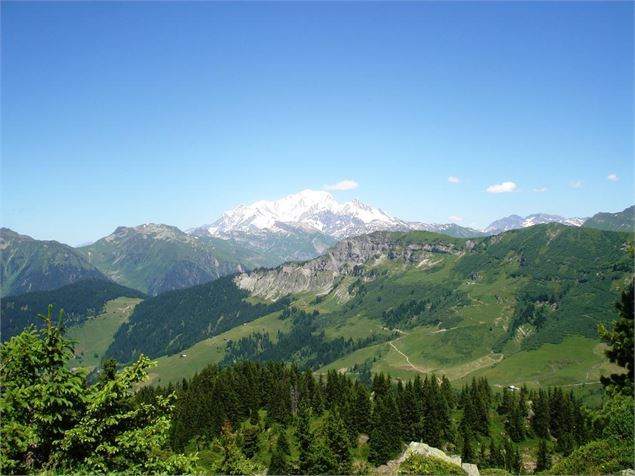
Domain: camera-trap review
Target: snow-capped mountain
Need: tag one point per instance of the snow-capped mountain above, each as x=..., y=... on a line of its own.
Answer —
x=514, y=222
x=309, y=210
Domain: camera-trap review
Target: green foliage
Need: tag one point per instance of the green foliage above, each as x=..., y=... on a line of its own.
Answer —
x=233, y=461
x=597, y=457
x=420, y=464
x=615, y=421
x=622, y=345
x=40, y=398
x=52, y=420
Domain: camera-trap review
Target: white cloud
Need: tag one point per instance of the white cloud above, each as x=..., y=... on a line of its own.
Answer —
x=343, y=185
x=455, y=218
x=613, y=177
x=504, y=187
x=453, y=179
x=576, y=183
x=540, y=189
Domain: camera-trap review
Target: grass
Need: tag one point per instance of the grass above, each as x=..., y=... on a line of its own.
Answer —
x=577, y=361
x=95, y=335
x=211, y=351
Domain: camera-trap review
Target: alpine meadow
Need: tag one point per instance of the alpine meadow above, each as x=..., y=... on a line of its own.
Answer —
x=317, y=238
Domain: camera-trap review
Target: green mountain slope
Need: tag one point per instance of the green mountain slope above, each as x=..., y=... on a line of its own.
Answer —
x=410, y=303
x=94, y=335
x=620, y=221
x=28, y=265
x=177, y=319
x=158, y=258
x=79, y=300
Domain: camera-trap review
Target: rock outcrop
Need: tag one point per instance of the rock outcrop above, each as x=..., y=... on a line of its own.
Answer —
x=416, y=448
x=346, y=258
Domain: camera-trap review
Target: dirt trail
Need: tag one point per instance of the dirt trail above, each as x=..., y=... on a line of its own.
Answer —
x=392, y=344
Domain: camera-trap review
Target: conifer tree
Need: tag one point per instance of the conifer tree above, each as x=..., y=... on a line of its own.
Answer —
x=338, y=441
x=543, y=461
x=280, y=457
x=467, y=450
x=620, y=340
x=303, y=434
x=540, y=419
x=384, y=440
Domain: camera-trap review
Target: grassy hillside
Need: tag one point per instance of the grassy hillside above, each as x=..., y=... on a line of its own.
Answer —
x=514, y=307
x=80, y=301
x=95, y=334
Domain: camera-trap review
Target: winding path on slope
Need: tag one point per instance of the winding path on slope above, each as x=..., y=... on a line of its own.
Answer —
x=392, y=344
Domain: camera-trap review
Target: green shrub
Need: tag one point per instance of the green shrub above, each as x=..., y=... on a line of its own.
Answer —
x=597, y=457
x=420, y=464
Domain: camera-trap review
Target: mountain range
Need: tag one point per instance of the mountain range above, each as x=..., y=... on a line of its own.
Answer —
x=317, y=211
x=401, y=302
x=155, y=258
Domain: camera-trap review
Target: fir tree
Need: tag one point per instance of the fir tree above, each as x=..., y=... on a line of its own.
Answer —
x=620, y=340
x=303, y=434
x=543, y=461
x=384, y=440
x=467, y=450
x=280, y=457
x=338, y=441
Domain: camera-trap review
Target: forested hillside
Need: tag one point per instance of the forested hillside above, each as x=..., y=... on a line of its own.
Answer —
x=175, y=320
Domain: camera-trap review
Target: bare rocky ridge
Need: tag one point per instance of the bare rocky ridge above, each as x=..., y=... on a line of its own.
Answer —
x=346, y=258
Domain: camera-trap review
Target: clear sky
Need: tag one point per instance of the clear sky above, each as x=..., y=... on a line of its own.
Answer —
x=133, y=112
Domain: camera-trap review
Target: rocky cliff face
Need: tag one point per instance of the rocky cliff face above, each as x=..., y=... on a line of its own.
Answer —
x=350, y=257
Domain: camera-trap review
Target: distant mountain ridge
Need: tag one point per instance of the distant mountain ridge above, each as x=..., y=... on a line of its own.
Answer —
x=156, y=258
x=29, y=265
x=317, y=212
x=515, y=222
x=619, y=221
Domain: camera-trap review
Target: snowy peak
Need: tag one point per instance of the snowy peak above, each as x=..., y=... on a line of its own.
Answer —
x=311, y=210
x=514, y=222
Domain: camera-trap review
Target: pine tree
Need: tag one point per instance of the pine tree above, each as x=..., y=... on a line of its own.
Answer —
x=338, y=441
x=620, y=340
x=361, y=410
x=280, y=457
x=250, y=440
x=303, y=434
x=467, y=450
x=321, y=460
x=540, y=419
x=384, y=441
x=544, y=457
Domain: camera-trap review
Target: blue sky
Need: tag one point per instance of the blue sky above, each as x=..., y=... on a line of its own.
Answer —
x=132, y=112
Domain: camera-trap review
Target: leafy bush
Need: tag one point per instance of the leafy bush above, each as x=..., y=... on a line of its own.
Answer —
x=420, y=464
x=597, y=457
